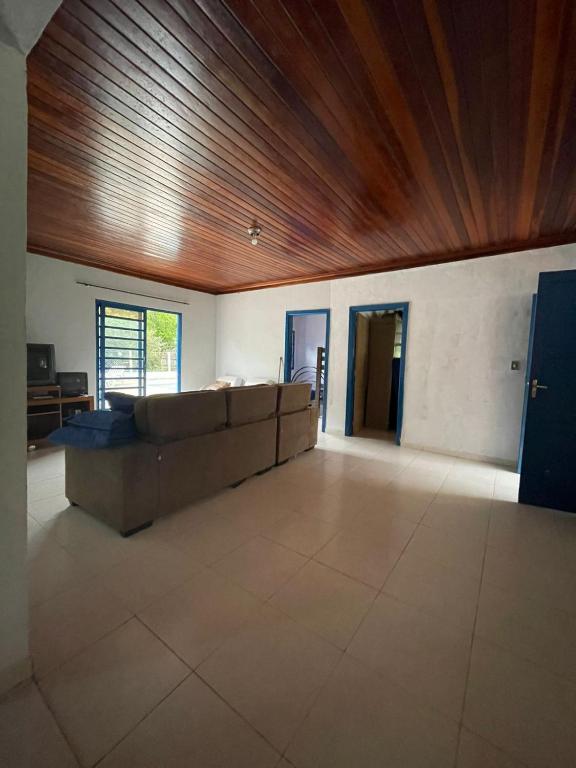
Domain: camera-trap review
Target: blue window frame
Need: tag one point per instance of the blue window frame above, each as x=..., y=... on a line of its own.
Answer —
x=121, y=349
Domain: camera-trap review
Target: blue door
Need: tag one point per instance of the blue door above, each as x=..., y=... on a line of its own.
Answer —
x=548, y=476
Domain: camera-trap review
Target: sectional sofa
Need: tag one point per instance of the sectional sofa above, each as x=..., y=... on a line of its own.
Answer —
x=189, y=446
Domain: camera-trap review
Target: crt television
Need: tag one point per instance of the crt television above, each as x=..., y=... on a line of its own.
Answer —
x=41, y=364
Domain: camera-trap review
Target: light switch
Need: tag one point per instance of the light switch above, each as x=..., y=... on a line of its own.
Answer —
x=515, y=365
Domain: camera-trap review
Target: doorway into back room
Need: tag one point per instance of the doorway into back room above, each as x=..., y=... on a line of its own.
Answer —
x=377, y=343
x=307, y=339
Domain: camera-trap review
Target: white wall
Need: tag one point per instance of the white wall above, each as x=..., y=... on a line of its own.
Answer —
x=62, y=313
x=468, y=321
x=310, y=333
x=14, y=660
x=250, y=338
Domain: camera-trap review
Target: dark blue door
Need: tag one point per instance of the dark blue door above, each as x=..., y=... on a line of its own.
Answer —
x=548, y=476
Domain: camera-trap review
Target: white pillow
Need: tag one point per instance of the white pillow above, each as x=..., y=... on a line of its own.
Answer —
x=234, y=381
x=259, y=380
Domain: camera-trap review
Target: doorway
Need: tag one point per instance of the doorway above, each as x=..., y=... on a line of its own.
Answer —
x=307, y=340
x=377, y=335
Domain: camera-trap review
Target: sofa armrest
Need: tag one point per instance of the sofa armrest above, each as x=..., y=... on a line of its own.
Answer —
x=117, y=485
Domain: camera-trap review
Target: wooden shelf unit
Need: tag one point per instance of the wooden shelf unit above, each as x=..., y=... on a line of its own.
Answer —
x=45, y=414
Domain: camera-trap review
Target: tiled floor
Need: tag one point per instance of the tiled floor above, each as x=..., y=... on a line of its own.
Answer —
x=362, y=605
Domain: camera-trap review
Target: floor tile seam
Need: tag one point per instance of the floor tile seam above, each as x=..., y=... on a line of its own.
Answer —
x=197, y=673
x=55, y=669
x=143, y=718
x=343, y=573
x=521, y=763
x=379, y=591
x=57, y=723
x=30, y=502
x=470, y=651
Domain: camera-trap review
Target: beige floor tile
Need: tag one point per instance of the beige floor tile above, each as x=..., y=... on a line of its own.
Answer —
x=142, y=578
x=301, y=533
x=270, y=672
x=452, y=550
x=326, y=602
x=360, y=555
x=534, y=631
x=522, y=575
x=45, y=510
x=209, y=541
x=178, y=524
x=363, y=719
x=197, y=617
x=260, y=566
x=65, y=625
x=44, y=489
x=52, y=571
x=192, y=728
x=434, y=588
x=102, y=693
x=29, y=735
x=406, y=503
x=474, y=752
x=526, y=531
x=470, y=517
x=331, y=509
x=522, y=709
x=422, y=653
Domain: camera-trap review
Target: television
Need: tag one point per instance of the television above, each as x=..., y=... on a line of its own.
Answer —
x=41, y=364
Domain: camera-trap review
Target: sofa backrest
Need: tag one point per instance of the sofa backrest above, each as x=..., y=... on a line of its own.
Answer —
x=247, y=405
x=163, y=418
x=293, y=397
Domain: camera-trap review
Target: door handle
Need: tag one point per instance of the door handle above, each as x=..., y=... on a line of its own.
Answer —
x=535, y=387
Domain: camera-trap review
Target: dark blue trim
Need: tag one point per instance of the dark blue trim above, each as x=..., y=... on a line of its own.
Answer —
x=527, y=378
x=102, y=303
x=290, y=315
x=352, y=315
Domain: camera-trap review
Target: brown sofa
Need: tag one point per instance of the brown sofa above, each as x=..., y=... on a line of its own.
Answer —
x=190, y=445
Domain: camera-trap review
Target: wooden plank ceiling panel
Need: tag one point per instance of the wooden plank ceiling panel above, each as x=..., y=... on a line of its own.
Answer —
x=361, y=135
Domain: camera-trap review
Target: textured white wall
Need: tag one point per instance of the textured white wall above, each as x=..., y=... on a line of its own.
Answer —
x=62, y=313
x=468, y=321
x=250, y=336
x=14, y=661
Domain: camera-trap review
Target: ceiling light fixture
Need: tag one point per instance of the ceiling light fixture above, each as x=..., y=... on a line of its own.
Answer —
x=254, y=232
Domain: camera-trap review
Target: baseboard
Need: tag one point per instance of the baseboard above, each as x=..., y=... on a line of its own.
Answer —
x=15, y=675
x=462, y=455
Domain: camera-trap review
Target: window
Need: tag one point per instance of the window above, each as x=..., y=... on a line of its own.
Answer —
x=138, y=350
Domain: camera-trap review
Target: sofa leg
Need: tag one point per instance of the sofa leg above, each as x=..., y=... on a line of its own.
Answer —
x=235, y=485
x=138, y=528
x=72, y=503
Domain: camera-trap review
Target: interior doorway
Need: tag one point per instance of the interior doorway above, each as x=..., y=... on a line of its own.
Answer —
x=376, y=362
x=307, y=340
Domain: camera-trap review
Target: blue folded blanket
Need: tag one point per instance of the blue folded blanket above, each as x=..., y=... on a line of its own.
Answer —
x=96, y=429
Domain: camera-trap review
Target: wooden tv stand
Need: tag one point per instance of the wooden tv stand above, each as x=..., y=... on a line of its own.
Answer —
x=45, y=414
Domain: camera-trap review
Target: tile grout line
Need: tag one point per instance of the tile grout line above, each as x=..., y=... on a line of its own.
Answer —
x=473, y=632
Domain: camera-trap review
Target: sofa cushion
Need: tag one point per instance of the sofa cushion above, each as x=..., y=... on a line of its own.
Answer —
x=293, y=397
x=96, y=429
x=121, y=402
x=163, y=418
x=247, y=405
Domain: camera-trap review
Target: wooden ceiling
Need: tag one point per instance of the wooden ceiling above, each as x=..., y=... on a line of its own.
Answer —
x=362, y=135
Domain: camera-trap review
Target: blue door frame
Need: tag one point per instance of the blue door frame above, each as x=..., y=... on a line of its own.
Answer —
x=290, y=315
x=353, y=313
x=527, y=382
x=101, y=303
